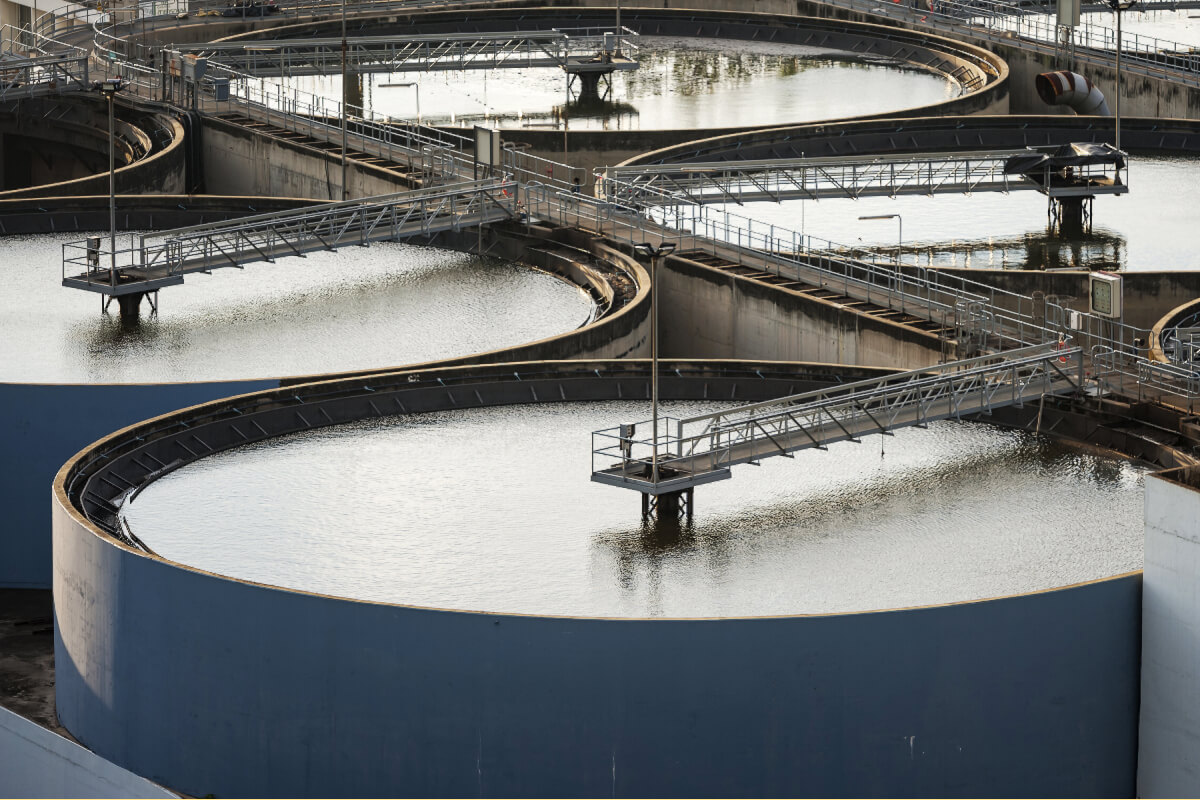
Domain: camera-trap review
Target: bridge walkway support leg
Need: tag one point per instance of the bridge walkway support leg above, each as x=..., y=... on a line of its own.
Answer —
x=669, y=505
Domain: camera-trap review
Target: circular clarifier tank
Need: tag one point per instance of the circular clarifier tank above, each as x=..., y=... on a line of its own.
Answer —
x=492, y=510
x=357, y=308
x=681, y=83
x=1010, y=230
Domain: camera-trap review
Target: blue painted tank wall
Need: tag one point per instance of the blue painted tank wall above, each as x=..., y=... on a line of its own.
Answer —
x=42, y=426
x=209, y=685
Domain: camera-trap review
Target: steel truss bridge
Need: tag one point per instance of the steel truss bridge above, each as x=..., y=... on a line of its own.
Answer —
x=576, y=51
x=689, y=452
x=163, y=259
x=1024, y=341
x=843, y=177
x=32, y=65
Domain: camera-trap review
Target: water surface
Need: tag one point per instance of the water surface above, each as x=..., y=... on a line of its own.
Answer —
x=493, y=510
x=385, y=305
x=681, y=83
x=1146, y=229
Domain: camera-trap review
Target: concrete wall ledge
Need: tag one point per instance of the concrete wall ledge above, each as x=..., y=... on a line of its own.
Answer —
x=35, y=762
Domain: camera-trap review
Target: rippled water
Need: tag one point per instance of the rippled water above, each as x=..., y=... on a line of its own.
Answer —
x=386, y=305
x=493, y=510
x=681, y=83
x=1146, y=229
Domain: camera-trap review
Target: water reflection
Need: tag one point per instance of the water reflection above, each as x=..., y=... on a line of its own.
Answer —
x=958, y=511
x=659, y=551
x=1099, y=249
x=385, y=305
x=604, y=109
x=1148, y=228
x=681, y=82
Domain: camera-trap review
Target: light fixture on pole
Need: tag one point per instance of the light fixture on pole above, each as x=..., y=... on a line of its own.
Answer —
x=404, y=85
x=109, y=89
x=1118, y=6
x=345, y=189
x=656, y=255
x=617, y=54
x=900, y=239
x=267, y=48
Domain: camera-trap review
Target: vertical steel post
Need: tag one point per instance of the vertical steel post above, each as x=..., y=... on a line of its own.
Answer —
x=654, y=258
x=112, y=197
x=1118, y=105
x=345, y=188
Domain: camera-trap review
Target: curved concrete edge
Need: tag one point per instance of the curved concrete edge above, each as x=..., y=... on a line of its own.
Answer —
x=52, y=425
x=36, y=762
x=54, y=420
x=973, y=132
x=80, y=213
x=992, y=94
x=160, y=171
x=620, y=334
x=986, y=697
x=1169, y=321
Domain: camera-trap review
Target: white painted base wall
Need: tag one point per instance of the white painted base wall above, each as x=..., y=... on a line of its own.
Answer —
x=35, y=762
x=1169, y=744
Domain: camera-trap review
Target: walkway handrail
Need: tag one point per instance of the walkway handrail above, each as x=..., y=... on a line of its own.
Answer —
x=160, y=259
x=1030, y=354
x=1001, y=21
x=702, y=448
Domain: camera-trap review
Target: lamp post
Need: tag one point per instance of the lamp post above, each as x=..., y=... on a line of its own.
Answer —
x=899, y=219
x=1118, y=6
x=109, y=89
x=617, y=54
x=345, y=189
x=656, y=255
x=404, y=85
x=266, y=48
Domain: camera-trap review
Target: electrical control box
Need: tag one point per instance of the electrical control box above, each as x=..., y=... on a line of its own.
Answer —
x=1104, y=294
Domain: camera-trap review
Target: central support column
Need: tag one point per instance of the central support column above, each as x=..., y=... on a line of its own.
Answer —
x=1071, y=216
x=589, y=85
x=130, y=304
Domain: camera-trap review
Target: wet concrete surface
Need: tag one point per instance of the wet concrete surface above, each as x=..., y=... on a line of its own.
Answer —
x=27, y=656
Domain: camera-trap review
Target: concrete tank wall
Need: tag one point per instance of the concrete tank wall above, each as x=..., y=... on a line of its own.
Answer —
x=707, y=313
x=210, y=685
x=1169, y=761
x=46, y=424
x=78, y=127
x=1147, y=294
x=239, y=162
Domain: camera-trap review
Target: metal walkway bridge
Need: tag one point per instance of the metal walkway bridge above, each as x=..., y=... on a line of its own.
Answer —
x=701, y=449
x=843, y=177
x=576, y=51
x=970, y=317
x=163, y=259
x=32, y=65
